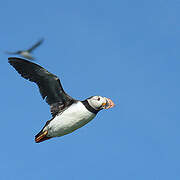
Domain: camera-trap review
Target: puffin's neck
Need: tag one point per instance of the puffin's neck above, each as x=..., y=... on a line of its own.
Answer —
x=90, y=108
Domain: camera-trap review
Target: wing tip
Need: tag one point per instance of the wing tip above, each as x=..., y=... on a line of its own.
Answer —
x=12, y=60
x=15, y=58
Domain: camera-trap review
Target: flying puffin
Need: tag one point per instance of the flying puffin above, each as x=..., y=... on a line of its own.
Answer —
x=27, y=53
x=68, y=114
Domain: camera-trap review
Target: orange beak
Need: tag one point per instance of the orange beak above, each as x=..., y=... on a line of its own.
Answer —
x=109, y=103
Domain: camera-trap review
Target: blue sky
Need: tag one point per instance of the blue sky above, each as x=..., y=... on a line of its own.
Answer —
x=126, y=50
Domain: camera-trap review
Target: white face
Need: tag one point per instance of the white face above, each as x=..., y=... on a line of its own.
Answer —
x=99, y=102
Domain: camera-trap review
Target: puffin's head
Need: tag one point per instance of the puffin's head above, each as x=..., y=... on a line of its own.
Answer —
x=99, y=102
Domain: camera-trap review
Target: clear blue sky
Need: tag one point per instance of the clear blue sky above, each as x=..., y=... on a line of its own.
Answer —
x=126, y=50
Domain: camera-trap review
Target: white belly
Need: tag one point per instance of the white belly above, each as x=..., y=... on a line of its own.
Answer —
x=71, y=119
x=26, y=55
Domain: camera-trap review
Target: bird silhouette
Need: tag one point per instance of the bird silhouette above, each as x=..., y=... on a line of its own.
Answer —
x=68, y=114
x=27, y=52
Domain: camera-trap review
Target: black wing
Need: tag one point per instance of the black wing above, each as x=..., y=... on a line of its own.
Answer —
x=35, y=45
x=49, y=84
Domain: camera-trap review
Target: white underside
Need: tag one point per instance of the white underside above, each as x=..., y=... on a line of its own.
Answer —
x=26, y=55
x=71, y=119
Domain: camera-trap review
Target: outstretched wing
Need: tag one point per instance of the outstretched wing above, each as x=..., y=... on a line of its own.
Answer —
x=17, y=52
x=48, y=83
x=35, y=45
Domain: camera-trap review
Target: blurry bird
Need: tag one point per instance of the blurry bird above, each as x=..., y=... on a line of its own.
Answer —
x=68, y=114
x=27, y=53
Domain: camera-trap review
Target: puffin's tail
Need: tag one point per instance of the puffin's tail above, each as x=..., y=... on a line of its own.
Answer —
x=41, y=136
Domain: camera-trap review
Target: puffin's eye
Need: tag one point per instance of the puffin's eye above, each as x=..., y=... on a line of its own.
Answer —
x=98, y=99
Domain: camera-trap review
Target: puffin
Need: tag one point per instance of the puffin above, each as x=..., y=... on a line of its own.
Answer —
x=27, y=53
x=68, y=114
